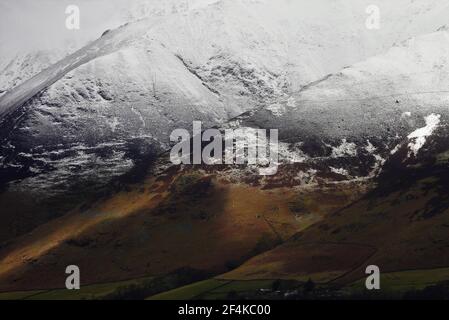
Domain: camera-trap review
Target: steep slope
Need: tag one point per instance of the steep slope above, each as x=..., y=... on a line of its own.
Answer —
x=213, y=218
x=400, y=226
x=23, y=67
x=348, y=124
x=181, y=219
x=130, y=88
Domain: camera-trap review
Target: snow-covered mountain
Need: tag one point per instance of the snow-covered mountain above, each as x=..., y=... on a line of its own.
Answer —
x=345, y=126
x=94, y=114
x=349, y=103
x=24, y=66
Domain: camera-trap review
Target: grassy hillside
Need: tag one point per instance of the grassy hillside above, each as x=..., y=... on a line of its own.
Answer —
x=180, y=219
x=402, y=227
x=96, y=291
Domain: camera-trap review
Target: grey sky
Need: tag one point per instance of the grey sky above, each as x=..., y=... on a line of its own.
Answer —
x=40, y=24
x=28, y=25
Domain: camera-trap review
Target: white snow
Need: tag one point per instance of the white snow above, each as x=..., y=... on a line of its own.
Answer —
x=340, y=171
x=344, y=149
x=395, y=149
x=418, y=137
x=299, y=41
x=369, y=147
x=273, y=46
x=291, y=102
x=276, y=109
x=291, y=153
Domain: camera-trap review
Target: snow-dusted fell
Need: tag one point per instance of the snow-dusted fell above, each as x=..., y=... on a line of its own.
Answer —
x=95, y=113
x=350, y=123
x=23, y=66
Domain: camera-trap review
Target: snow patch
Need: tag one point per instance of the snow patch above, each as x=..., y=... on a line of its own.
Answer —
x=345, y=149
x=418, y=137
x=396, y=149
x=369, y=147
x=340, y=171
x=276, y=109
x=291, y=102
x=291, y=153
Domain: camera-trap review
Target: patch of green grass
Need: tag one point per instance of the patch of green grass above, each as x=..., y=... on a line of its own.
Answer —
x=175, y=279
x=96, y=291
x=91, y=292
x=20, y=295
x=213, y=289
x=190, y=291
x=406, y=280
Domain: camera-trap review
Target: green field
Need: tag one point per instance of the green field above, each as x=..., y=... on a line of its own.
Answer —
x=408, y=280
x=96, y=291
x=213, y=289
x=391, y=283
x=190, y=291
x=19, y=295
